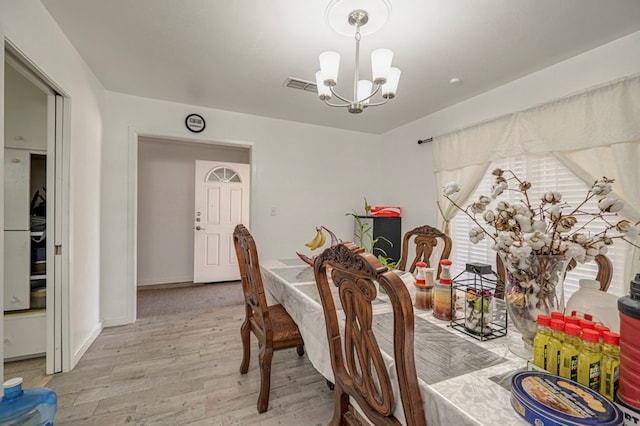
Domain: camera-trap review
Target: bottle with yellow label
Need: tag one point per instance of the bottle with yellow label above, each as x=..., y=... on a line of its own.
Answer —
x=555, y=344
x=610, y=364
x=569, y=352
x=589, y=359
x=540, y=341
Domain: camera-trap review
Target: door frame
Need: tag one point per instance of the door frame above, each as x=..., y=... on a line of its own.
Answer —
x=58, y=338
x=132, y=203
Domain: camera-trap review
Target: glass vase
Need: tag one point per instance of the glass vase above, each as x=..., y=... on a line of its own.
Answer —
x=534, y=285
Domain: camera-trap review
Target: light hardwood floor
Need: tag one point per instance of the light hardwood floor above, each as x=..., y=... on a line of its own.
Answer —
x=182, y=369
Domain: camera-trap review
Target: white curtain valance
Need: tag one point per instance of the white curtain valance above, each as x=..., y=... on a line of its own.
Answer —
x=600, y=116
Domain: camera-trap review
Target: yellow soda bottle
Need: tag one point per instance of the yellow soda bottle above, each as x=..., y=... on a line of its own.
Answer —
x=589, y=359
x=610, y=364
x=540, y=341
x=555, y=344
x=569, y=352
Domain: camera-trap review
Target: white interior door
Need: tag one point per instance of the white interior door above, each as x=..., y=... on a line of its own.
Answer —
x=221, y=202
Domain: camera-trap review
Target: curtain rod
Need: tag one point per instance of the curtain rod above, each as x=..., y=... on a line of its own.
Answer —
x=421, y=141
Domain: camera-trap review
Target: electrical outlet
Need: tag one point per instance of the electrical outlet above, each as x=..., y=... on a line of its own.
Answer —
x=273, y=211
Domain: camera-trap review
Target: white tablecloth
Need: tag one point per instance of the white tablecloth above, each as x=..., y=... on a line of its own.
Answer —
x=454, y=391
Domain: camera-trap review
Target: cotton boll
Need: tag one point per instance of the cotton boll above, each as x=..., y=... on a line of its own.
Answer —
x=523, y=210
x=610, y=205
x=498, y=189
x=539, y=226
x=580, y=238
x=451, y=188
x=601, y=188
x=536, y=240
x=566, y=223
x=478, y=207
x=574, y=251
x=489, y=216
x=484, y=200
x=554, y=212
x=551, y=197
x=630, y=231
x=524, y=222
x=476, y=235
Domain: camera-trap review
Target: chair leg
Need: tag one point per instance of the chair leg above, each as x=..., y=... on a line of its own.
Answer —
x=266, y=355
x=245, y=335
x=300, y=350
x=340, y=408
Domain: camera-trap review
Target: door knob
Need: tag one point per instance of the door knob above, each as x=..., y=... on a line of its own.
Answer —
x=198, y=228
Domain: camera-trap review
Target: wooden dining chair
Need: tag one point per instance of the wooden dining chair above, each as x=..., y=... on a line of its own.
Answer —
x=360, y=373
x=605, y=270
x=272, y=325
x=425, y=239
x=604, y=275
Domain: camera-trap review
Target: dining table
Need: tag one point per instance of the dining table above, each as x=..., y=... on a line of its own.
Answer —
x=463, y=380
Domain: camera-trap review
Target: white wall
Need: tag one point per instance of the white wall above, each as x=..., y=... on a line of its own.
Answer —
x=166, y=199
x=31, y=29
x=312, y=175
x=413, y=162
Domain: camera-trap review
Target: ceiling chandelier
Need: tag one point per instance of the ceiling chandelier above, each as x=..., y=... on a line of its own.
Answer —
x=343, y=15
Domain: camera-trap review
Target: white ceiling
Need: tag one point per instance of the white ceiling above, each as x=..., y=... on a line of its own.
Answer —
x=235, y=55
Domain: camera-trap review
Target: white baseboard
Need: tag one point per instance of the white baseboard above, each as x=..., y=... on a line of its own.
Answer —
x=165, y=280
x=85, y=345
x=114, y=322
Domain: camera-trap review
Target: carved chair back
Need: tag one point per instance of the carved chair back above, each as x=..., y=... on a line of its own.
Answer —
x=359, y=369
x=252, y=287
x=605, y=270
x=425, y=238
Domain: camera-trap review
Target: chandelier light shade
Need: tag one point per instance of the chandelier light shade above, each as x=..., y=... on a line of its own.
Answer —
x=329, y=67
x=323, y=91
x=364, y=91
x=380, y=65
x=389, y=89
x=384, y=77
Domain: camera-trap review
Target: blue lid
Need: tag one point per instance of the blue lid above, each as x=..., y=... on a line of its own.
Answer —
x=543, y=398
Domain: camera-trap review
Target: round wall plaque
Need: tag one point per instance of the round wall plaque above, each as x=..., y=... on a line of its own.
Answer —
x=195, y=123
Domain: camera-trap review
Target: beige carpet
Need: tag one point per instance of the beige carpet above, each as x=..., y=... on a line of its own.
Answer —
x=182, y=298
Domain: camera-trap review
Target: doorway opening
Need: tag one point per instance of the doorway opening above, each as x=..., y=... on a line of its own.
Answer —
x=166, y=217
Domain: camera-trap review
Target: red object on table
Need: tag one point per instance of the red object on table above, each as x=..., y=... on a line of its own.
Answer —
x=385, y=211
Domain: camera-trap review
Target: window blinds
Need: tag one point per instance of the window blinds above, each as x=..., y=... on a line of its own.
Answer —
x=545, y=173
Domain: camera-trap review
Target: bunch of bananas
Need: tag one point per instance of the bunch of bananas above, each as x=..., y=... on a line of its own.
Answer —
x=317, y=241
